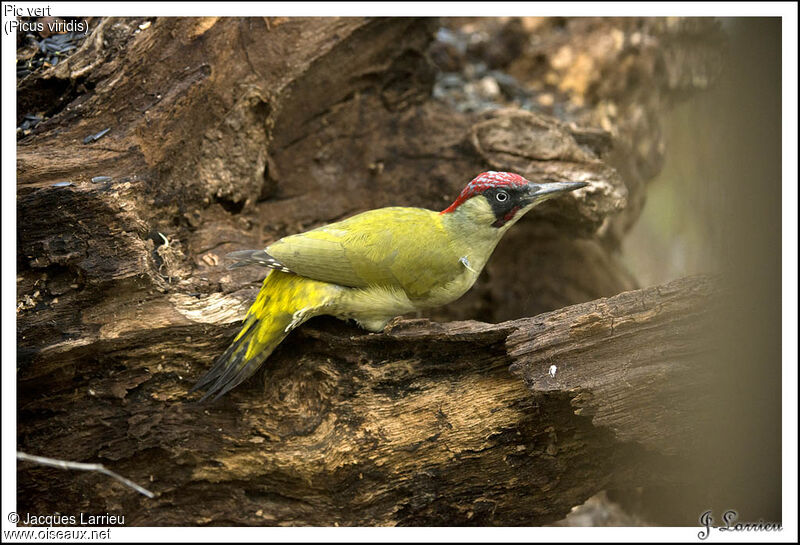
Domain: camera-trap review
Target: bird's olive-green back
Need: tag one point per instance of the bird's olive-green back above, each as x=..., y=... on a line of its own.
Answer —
x=401, y=247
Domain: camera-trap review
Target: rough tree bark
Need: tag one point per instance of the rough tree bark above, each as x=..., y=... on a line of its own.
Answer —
x=421, y=425
x=230, y=133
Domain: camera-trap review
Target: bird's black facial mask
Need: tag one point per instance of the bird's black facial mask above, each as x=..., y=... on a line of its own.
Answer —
x=506, y=202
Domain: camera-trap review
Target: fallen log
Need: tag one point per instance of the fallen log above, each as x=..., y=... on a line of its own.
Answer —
x=421, y=425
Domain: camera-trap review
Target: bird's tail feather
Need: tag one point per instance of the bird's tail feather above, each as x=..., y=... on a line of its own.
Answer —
x=284, y=302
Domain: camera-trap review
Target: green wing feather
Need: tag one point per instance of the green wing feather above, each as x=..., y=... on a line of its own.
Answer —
x=403, y=247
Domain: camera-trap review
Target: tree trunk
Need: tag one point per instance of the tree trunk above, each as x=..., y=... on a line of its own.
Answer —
x=228, y=134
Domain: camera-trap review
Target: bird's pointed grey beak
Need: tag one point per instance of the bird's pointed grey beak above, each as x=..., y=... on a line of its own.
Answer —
x=538, y=191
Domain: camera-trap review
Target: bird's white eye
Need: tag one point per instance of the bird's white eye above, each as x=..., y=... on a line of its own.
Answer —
x=501, y=196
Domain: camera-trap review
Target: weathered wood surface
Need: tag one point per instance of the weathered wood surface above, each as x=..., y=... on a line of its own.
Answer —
x=229, y=133
x=423, y=424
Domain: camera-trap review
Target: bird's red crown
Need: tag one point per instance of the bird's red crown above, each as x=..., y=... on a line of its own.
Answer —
x=484, y=181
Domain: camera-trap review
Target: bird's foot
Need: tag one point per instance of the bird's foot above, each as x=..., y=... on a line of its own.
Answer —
x=392, y=324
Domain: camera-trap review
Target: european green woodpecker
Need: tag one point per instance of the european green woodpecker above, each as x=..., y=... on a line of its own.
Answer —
x=374, y=266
